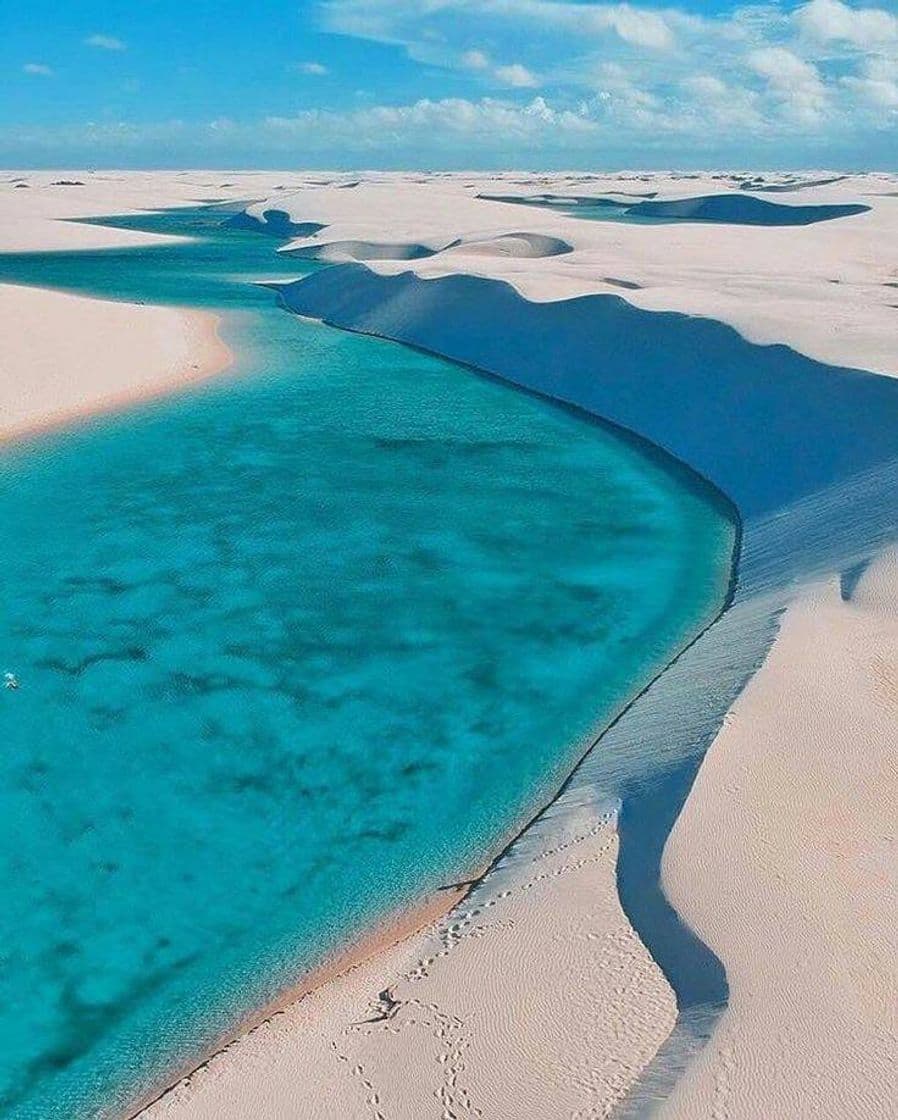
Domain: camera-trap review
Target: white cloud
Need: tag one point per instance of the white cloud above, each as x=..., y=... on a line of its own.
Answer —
x=610, y=128
x=758, y=66
x=38, y=69
x=639, y=26
x=516, y=75
x=408, y=21
x=877, y=84
x=105, y=42
x=475, y=60
x=614, y=76
x=796, y=82
x=511, y=74
x=876, y=91
x=704, y=87
x=446, y=124
x=716, y=107
x=782, y=68
x=829, y=21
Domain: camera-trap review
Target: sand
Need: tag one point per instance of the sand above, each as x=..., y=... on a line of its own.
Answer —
x=490, y=1013
x=38, y=213
x=65, y=356
x=535, y=997
x=785, y=861
x=821, y=288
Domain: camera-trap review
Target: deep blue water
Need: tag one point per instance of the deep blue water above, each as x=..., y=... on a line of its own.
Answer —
x=294, y=647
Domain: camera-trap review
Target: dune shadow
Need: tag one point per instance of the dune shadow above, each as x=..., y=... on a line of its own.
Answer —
x=743, y=209
x=275, y=223
x=728, y=209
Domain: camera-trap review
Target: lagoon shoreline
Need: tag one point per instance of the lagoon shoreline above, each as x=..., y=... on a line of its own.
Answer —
x=572, y=846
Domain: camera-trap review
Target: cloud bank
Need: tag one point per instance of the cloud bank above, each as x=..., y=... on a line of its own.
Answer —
x=556, y=84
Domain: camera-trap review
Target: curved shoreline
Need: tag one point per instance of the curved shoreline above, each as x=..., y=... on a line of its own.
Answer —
x=410, y=920
x=690, y=770
x=385, y=935
x=397, y=928
x=412, y=309
x=680, y=939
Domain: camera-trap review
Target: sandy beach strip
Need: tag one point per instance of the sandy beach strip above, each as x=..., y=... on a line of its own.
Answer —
x=360, y=956
x=67, y=356
x=534, y=997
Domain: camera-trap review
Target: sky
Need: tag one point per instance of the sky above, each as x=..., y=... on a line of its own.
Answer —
x=449, y=84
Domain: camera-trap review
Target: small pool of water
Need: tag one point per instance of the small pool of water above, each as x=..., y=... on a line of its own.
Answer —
x=592, y=208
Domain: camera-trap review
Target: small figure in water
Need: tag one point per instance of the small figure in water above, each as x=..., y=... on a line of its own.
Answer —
x=10, y=680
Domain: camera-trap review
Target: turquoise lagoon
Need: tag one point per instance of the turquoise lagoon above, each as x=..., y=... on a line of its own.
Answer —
x=295, y=647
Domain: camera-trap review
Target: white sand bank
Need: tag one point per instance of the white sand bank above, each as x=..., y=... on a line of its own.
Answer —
x=39, y=210
x=65, y=356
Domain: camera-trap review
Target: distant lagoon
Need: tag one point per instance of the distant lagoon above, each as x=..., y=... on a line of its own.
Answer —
x=295, y=647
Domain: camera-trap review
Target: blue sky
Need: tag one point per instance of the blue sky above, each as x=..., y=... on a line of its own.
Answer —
x=449, y=84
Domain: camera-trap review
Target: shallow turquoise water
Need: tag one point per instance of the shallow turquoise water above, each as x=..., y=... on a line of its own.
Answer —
x=294, y=647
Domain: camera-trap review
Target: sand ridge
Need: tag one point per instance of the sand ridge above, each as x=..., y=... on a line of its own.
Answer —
x=785, y=860
x=822, y=289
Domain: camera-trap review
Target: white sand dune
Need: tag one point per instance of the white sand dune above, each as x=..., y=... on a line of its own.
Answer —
x=517, y=245
x=338, y=251
x=37, y=214
x=544, y=1001
x=831, y=301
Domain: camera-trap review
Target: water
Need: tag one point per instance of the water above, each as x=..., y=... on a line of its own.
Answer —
x=592, y=208
x=294, y=646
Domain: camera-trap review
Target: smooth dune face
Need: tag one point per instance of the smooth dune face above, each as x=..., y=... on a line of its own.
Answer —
x=337, y=251
x=526, y=245
x=743, y=209
x=669, y=377
x=820, y=288
x=736, y=208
